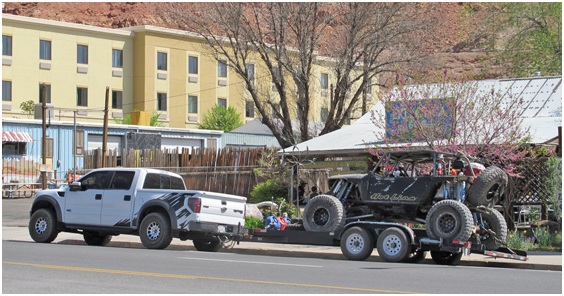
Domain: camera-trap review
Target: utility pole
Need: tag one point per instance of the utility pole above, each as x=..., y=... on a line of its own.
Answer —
x=44, y=139
x=105, y=135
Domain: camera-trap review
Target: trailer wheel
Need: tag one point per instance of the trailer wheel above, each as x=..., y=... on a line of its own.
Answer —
x=449, y=219
x=392, y=245
x=495, y=223
x=357, y=244
x=488, y=188
x=416, y=256
x=446, y=258
x=207, y=245
x=324, y=213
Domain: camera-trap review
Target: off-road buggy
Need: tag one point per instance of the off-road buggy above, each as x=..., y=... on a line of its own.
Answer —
x=446, y=192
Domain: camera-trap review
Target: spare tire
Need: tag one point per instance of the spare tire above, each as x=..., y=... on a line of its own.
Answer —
x=449, y=219
x=324, y=213
x=488, y=187
x=494, y=222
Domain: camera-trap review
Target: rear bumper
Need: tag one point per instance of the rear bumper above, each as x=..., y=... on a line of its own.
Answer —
x=201, y=230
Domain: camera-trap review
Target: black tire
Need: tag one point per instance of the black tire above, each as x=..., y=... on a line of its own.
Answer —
x=495, y=222
x=416, y=256
x=393, y=246
x=207, y=245
x=446, y=258
x=488, y=188
x=93, y=238
x=294, y=227
x=155, y=231
x=357, y=244
x=450, y=220
x=43, y=226
x=324, y=213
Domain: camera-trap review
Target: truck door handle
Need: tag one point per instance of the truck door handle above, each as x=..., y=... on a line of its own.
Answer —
x=98, y=197
x=127, y=198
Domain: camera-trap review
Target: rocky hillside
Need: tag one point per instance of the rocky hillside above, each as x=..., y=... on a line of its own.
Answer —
x=448, y=43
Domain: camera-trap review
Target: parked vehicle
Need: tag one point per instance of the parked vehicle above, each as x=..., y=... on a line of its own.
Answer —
x=152, y=204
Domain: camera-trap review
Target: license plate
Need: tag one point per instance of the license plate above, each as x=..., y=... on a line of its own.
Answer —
x=220, y=228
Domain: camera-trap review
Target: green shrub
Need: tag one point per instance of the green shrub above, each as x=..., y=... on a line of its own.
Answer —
x=267, y=190
x=518, y=241
x=557, y=242
x=253, y=223
x=544, y=238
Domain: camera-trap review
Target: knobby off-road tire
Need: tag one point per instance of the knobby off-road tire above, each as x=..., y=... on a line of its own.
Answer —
x=357, y=243
x=446, y=258
x=495, y=222
x=207, y=245
x=93, y=238
x=449, y=219
x=488, y=187
x=393, y=245
x=43, y=226
x=416, y=256
x=324, y=213
x=155, y=231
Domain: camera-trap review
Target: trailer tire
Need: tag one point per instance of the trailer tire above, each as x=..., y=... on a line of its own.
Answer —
x=416, y=256
x=449, y=219
x=393, y=245
x=207, y=245
x=446, y=258
x=357, y=243
x=495, y=222
x=324, y=213
x=488, y=188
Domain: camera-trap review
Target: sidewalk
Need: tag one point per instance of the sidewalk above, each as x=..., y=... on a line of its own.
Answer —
x=536, y=260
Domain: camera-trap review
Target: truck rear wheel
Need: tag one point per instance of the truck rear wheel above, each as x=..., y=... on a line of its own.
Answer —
x=416, y=256
x=357, y=243
x=446, y=258
x=393, y=245
x=488, y=187
x=324, y=213
x=449, y=219
x=495, y=223
x=43, y=226
x=207, y=245
x=93, y=238
x=155, y=232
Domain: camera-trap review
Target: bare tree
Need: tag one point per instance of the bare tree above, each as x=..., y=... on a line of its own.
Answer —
x=362, y=39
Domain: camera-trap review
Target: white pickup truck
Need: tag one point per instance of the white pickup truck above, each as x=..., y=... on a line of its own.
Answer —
x=151, y=203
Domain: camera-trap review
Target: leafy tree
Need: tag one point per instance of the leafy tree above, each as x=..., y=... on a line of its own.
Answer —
x=28, y=107
x=221, y=118
x=154, y=121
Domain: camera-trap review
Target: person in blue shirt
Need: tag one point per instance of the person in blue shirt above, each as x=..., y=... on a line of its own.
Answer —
x=285, y=216
x=272, y=222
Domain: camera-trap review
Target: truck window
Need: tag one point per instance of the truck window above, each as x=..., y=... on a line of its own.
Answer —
x=177, y=183
x=122, y=180
x=163, y=181
x=96, y=180
x=152, y=181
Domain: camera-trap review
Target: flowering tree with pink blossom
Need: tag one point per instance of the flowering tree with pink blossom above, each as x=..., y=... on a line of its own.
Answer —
x=455, y=116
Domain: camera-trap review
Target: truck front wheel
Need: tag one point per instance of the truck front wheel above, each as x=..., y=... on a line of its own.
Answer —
x=155, y=231
x=207, y=245
x=357, y=244
x=392, y=245
x=43, y=226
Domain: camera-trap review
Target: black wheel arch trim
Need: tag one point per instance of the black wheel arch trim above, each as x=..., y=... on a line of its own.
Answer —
x=158, y=203
x=49, y=199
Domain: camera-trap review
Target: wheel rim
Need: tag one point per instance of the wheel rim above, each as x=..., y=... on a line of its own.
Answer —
x=355, y=243
x=41, y=225
x=321, y=216
x=493, y=192
x=446, y=223
x=153, y=231
x=392, y=245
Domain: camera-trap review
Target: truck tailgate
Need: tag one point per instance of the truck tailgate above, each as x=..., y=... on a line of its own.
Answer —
x=230, y=208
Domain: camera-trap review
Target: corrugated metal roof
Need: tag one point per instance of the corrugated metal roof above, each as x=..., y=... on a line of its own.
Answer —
x=542, y=114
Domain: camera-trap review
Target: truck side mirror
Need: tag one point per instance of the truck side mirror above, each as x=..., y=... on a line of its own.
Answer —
x=75, y=186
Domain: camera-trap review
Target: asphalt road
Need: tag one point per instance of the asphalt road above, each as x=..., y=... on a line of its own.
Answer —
x=29, y=267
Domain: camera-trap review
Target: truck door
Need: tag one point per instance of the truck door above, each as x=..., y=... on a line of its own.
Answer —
x=118, y=199
x=84, y=206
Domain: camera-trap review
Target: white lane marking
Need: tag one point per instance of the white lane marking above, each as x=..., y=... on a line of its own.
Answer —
x=250, y=262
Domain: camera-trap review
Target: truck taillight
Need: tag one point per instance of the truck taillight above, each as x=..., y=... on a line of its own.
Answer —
x=195, y=204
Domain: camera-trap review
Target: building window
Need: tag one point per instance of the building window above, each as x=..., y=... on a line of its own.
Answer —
x=192, y=65
x=117, y=58
x=221, y=69
x=192, y=104
x=250, y=108
x=161, y=61
x=117, y=99
x=6, y=45
x=47, y=93
x=82, y=96
x=45, y=50
x=161, y=101
x=14, y=149
x=324, y=114
x=222, y=102
x=6, y=91
x=250, y=71
x=82, y=54
x=324, y=81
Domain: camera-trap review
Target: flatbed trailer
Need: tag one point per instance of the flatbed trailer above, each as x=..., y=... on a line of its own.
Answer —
x=395, y=243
